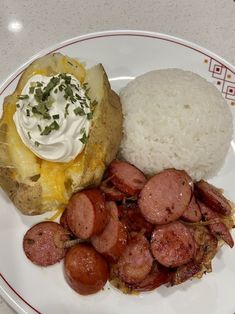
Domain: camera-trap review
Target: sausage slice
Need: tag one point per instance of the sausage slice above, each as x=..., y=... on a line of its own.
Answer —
x=165, y=197
x=111, y=192
x=87, y=215
x=85, y=270
x=43, y=244
x=213, y=198
x=112, y=241
x=158, y=276
x=192, y=213
x=172, y=245
x=136, y=261
x=131, y=217
x=63, y=219
x=185, y=272
x=126, y=177
x=218, y=229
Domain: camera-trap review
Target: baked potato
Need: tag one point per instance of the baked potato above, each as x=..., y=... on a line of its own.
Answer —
x=36, y=185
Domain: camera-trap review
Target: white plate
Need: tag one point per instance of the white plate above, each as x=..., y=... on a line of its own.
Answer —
x=31, y=289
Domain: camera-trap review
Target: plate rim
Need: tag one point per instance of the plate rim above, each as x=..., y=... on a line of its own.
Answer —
x=14, y=299
x=113, y=33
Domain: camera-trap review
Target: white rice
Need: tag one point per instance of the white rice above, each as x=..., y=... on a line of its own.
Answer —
x=175, y=118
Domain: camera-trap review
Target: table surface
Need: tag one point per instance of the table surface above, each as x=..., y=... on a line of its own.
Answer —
x=28, y=26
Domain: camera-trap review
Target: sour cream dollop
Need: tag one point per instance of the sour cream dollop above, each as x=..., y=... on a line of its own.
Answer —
x=53, y=116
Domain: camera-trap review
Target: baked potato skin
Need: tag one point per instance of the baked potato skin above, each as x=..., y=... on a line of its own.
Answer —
x=105, y=136
x=25, y=196
x=26, y=189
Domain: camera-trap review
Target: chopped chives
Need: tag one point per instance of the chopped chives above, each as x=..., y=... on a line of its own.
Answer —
x=79, y=111
x=66, y=113
x=84, y=138
x=89, y=116
x=82, y=130
x=22, y=97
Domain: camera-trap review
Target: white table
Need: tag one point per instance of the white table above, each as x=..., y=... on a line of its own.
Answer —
x=27, y=26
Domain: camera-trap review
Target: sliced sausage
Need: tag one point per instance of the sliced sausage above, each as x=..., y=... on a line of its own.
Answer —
x=212, y=197
x=136, y=261
x=126, y=177
x=185, y=272
x=64, y=221
x=85, y=270
x=111, y=192
x=192, y=213
x=43, y=244
x=206, y=248
x=172, y=245
x=131, y=217
x=87, y=215
x=165, y=197
x=217, y=228
x=158, y=276
x=112, y=241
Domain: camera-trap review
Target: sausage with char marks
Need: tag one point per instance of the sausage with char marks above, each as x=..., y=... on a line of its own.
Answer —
x=185, y=272
x=172, y=245
x=126, y=177
x=165, y=196
x=136, y=261
x=131, y=217
x=158, y=276
x=217, y=228
x=192, y=213
x=111, y=192
x=212, y=197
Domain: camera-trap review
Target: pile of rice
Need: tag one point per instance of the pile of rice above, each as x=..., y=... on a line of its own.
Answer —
x=175, y=119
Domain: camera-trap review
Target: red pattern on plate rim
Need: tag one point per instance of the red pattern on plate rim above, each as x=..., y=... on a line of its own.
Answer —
x=224, y=76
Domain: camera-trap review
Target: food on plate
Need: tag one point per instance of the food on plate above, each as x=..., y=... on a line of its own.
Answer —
x=172, y=245
x=64, y=221
x=111, y=192
x=158, y=276
x=127, y=178
x=136, y=261
x=212, y=197
x=192, y=212
x=165, y=197
x=131, y=249
x=43, y=244
x=141, y=221
x=112, y=241
x=130, y=215
x=86, y=271
x=185, y=272
x=206, y=248
x=175, y=119
x=217, y=227
x=86, y=213
x=59, y=130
